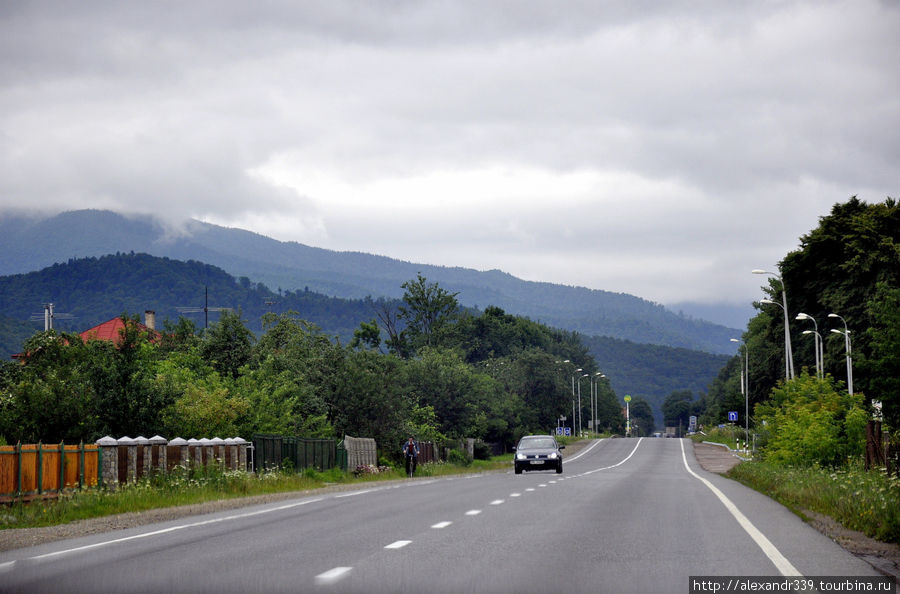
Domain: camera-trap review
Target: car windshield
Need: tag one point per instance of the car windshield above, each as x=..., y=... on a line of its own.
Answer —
x=537, y=442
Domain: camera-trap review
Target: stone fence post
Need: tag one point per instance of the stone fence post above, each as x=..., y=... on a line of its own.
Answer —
x=183, y=451
x=160, y=444
x=242, y=446
x=144, y=453
x=109, y=462
x=131, y=458
x=196, y=450
x=217, y=445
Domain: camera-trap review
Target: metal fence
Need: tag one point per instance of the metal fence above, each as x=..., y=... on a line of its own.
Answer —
x=30, y=471
x=283, y=451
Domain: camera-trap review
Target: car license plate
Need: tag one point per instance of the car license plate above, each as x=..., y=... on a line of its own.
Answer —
x=537, y=461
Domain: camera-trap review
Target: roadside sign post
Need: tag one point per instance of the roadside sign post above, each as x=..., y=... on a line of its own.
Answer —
x=627, y=416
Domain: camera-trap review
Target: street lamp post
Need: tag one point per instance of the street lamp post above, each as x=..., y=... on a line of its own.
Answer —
x=846, y=334
x=820, y=347
x=788, y=353
x=575, y=415
x=580, y=413
x=595, y=388
x=745, y=386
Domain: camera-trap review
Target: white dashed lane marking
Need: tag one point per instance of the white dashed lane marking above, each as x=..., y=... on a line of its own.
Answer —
x=332, y=575
x=399, y=544
x=473, y=512
x=441, y=525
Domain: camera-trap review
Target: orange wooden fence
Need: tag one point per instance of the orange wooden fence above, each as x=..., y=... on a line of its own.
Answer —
x=32, y=471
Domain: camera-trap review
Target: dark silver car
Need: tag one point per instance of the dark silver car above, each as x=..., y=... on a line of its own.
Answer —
x=538, y=452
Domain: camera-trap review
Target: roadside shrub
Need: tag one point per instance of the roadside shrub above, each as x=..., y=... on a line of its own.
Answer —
x=459, y=457
x=809, y=422
x=482, y=451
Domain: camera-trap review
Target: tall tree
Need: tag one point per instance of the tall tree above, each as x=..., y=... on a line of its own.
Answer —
x=427, y=310
x=883, y=365
x=228, y=344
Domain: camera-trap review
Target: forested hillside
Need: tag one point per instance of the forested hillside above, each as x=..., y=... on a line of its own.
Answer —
x=653, y=372
x=32, y=244
x=446, y=373
x=94, y=290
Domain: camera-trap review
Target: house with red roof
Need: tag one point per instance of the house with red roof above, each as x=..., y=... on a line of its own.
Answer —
x=111, y=330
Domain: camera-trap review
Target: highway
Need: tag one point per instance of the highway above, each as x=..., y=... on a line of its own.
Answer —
x=626, y=515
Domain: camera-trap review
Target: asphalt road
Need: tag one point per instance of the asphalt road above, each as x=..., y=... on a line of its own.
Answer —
x=626, y=515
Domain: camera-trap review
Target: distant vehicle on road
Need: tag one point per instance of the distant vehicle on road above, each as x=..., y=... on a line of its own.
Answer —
x=538, y=452
x=671, y=431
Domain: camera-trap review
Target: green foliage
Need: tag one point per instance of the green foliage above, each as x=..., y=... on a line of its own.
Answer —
x=848, y=265
x=865, y=501
x=883, y=366
x=809, y=422
x=294, y=380
x=227, y=344
x=654, y=371
x=459, y=457
x=677, y=408
x=642, y=423
x=427, y=310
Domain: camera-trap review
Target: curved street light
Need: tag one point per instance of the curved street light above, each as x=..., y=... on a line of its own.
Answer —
x=820, y=347
x=594, y=393
x=846, y=333
x=788, y=354
x=745, y=386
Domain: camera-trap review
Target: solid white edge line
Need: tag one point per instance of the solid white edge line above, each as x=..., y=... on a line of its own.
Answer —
x=623, y=461
x=583, y=452
x=770, y=550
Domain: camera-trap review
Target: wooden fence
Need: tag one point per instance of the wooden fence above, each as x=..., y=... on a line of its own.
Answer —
x=31, y=471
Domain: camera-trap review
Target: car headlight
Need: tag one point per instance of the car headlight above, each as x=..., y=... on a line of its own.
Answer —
x=520, y=456
x=553, y=456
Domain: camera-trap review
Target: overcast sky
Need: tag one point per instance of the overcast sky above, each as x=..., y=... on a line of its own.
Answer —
x=662, y=149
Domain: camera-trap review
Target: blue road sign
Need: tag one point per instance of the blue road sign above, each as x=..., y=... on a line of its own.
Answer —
x=568, y=431
x=559, y=430
x=732, y=416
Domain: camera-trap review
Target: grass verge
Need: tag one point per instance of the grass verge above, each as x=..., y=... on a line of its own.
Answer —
x=193, y=486
x=865, y=501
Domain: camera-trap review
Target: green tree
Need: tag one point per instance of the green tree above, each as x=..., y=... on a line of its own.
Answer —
x=676, y=408
x=642, y=423
x=458, y=394
x=427, y=310
x=286, y=384
x=50, y=397
x=808, y=421
x=883, y=365
x=227, y=344
x=837, y=269
x=368, y=335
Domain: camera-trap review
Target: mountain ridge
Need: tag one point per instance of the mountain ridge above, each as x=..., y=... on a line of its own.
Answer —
x=31, y=243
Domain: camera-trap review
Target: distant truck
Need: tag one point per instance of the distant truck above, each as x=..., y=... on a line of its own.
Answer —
x=671, y=431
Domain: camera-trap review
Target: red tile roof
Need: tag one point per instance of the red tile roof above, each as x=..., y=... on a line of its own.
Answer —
x=111, y=330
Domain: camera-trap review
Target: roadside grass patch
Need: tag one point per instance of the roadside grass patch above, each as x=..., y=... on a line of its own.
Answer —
x=187, y=486
x=865, y=501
